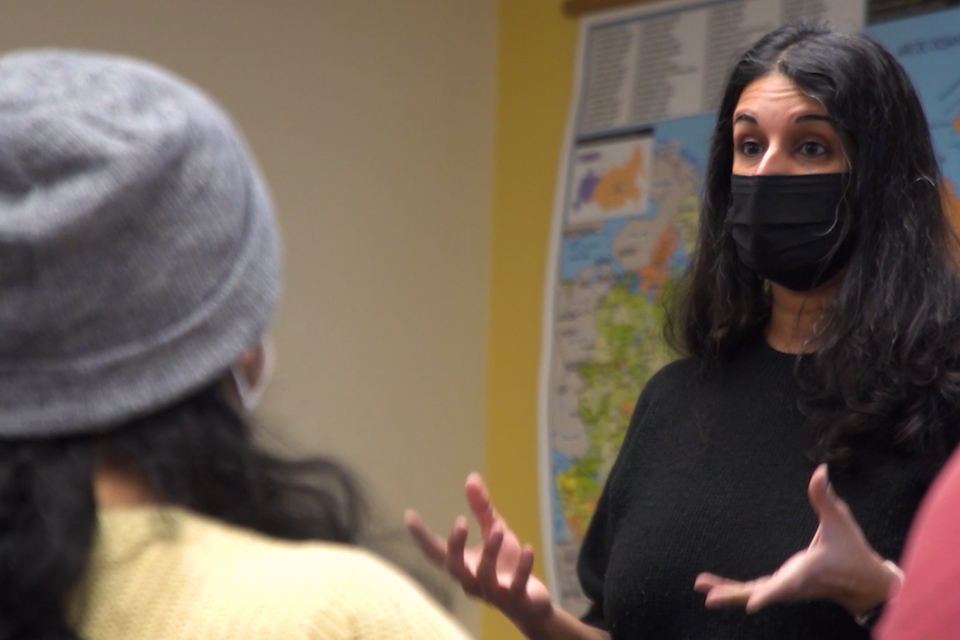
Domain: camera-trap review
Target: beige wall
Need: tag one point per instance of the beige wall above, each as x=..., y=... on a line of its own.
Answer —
x=373, y=121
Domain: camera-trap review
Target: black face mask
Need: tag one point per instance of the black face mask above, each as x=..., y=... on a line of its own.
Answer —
x=789, y=229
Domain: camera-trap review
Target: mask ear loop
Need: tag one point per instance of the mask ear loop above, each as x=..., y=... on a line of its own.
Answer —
x=244, y=389
x=250, y=394
x=846, y=190
x=836, y=219
x=836, y=211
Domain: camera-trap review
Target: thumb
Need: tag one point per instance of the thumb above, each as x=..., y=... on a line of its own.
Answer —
x=823, y=499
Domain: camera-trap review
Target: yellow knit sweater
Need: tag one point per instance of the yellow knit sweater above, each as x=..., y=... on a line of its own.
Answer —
x=169, y=574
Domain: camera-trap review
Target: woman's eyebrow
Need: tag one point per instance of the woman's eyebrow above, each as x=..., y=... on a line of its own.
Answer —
x=814, y=116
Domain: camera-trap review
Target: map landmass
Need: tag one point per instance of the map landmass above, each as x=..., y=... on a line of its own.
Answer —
x=608, y=343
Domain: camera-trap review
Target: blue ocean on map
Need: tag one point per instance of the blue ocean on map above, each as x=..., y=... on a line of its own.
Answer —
x=589, y=249
x=583, y=249
x=558, y=464
x=693, y=133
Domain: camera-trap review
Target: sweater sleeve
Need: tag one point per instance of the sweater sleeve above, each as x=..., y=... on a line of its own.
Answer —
x=382, y=602
x=592, y=562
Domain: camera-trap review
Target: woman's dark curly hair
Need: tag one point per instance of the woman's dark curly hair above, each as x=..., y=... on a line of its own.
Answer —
x=197, y=454
x=888, y=346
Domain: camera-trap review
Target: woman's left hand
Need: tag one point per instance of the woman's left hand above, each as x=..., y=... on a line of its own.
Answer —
x=839, y=565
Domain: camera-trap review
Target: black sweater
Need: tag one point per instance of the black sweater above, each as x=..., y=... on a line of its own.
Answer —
x=713, y=476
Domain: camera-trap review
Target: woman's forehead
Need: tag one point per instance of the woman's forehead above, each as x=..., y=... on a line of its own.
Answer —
x=775, y=93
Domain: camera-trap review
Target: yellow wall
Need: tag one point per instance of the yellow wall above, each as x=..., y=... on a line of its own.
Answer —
x=534, y=79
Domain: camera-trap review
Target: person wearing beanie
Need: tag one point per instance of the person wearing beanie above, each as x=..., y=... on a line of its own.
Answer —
x=139, y=273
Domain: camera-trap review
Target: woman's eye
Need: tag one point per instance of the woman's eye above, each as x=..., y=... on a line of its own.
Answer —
x=811, y=148
x=750, y=148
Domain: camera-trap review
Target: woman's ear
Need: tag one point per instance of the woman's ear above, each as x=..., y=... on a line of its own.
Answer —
x=252, y=372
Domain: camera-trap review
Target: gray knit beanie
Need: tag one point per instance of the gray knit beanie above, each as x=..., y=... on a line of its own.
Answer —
x=138, y=251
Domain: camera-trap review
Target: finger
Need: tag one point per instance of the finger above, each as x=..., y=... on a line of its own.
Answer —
x=479, y=500
x=487, y=569
x=707, y=581
x=432, y=545
x=824, y=500
x=773, y=591
x=723, y=592
x=817, y=490
x=524, y=568
x=455, y=560
x=731, y=594
x=816, y=537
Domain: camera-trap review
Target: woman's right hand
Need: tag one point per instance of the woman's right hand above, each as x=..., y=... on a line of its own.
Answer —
x=497, y=569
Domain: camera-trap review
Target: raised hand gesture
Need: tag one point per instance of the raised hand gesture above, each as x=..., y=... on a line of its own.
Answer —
x=839, y=565
x=497, y=569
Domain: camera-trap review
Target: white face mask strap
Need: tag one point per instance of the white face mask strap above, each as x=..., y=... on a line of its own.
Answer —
x=250, y=394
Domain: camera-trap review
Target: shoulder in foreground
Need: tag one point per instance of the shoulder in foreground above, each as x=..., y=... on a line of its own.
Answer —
x=371, y=596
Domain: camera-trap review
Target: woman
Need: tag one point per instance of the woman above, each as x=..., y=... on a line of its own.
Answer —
x=139, y=272
x=821, y=325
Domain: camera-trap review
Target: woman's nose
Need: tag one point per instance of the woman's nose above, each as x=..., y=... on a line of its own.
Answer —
x=774, y=162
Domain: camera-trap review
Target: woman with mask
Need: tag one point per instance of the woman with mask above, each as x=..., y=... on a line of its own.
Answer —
x=821, y=327
x=139, y=271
